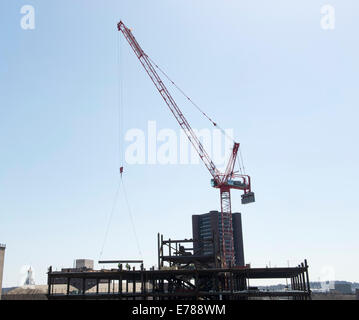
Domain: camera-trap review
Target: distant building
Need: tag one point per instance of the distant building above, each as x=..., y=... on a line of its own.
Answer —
x=27, y=293
x=2, y=257
x=207, y=226
x=343, y=288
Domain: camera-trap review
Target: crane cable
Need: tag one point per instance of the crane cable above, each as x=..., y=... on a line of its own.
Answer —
x=190, y=100
x=242, y=163
x=120, y=159
x=131, y=218
x=129, y=213
x=119, y=97
x=120, y=100
x=121, y=152
x=240, y=160
x=114, y=203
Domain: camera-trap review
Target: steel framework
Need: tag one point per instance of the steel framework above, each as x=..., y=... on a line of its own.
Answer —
x=172, y=284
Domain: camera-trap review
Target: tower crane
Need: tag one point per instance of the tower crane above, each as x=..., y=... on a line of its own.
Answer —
x=226, y=181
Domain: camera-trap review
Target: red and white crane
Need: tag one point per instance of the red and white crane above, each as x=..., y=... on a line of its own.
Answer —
x=223, y=181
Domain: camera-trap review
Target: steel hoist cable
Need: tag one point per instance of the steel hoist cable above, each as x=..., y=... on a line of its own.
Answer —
x=240, y=160
x=131, y=218
x=189, y=99
x=114, y=203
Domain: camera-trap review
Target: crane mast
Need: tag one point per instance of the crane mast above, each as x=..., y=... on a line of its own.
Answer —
x=223, y=181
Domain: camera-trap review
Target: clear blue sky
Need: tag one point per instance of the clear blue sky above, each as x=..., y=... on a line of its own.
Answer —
x=265, y=68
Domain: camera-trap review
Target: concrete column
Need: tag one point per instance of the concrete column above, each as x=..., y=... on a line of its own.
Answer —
x=2, y=257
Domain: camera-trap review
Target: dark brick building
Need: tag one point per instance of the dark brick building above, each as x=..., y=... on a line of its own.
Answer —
x=208, y=225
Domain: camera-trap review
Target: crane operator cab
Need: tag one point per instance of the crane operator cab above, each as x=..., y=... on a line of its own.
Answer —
x=232, y=183
x=237, y=183
x=247, y=197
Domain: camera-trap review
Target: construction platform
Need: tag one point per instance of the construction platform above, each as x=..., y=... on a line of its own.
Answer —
x=172, y=284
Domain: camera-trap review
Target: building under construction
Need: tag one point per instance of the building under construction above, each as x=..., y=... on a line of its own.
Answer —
x=182, y=275
x=187, y=269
